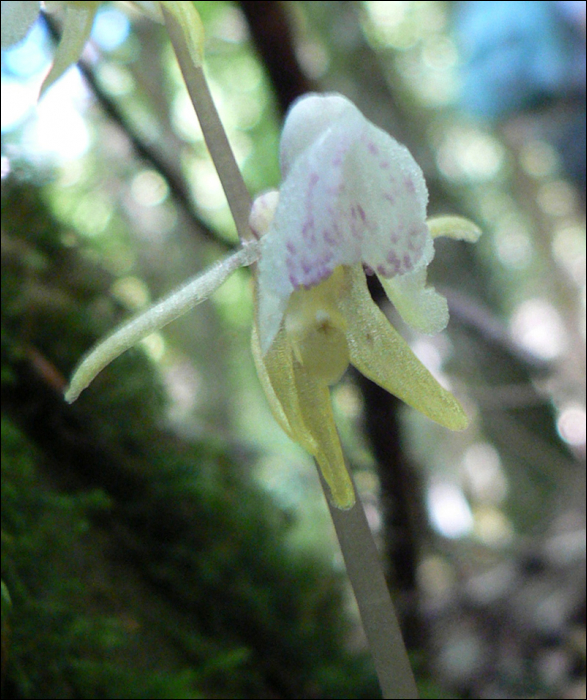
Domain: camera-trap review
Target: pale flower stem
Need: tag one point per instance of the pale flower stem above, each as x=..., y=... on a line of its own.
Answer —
x=376, y=609
x=239, y=199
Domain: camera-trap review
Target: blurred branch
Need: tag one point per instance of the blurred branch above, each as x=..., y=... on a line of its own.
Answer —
x=271, y=31
x=470, y=313
x=143, y=150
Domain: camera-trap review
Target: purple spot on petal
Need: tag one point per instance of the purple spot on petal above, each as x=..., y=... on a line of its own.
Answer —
x=290, y=247
x=372, y=148
x=362, y=213
x=397, y=264
x=314, y=177
x=389, y=197
x=407, y=261
x=409, y=185
x=385, y=165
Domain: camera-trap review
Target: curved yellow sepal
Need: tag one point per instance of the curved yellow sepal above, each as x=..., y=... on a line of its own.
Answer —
x=316, y=408
x=302, y=407
x=456, y=227
x=379, y=352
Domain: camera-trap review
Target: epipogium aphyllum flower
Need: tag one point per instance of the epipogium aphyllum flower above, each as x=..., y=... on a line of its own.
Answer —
x=351, y=198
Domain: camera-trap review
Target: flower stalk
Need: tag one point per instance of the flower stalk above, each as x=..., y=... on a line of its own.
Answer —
x=376, y=609
x=190, y=63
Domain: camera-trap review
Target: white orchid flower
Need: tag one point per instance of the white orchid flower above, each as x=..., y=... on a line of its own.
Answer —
x=351, y=197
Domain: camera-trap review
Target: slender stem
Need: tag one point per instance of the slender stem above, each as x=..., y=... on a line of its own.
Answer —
x=239, y=199
x=355, y=538
x=376, y=609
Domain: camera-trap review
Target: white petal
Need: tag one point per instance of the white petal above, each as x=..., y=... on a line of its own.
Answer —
x=352, y=193
x=386, y=200
x=308, y=118
x=308, y=237
x=17, y=19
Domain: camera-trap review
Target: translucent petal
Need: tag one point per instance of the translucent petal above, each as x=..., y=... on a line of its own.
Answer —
x=420, y=306
x=454, y=227
x=77, y=27
x=352, y=194
x=17, y=19
x=382, y=355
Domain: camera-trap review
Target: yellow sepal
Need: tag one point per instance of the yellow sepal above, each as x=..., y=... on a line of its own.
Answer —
x=302, y=407
x=316, y=407
x=379, y=352
x=456, y=227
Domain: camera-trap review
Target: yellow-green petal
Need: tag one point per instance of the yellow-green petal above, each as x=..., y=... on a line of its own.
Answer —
x=77, y=27
x=275, y=370
x=420, y=306
x=185, y=25
x=316, y=407
x=379, y=352
x=302, y=408
x=454, y=227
